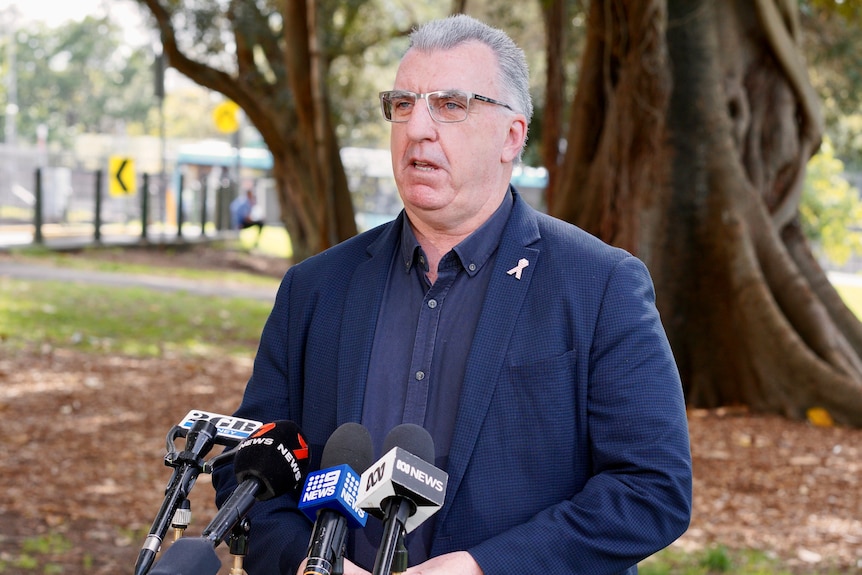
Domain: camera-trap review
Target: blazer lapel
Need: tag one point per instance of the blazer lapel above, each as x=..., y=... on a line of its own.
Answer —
x=513, y=271
x=361, y=308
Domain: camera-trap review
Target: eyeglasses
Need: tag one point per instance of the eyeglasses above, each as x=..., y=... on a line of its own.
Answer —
x=446, y=106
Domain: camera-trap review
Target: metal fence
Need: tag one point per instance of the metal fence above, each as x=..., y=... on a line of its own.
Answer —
x=43, y=201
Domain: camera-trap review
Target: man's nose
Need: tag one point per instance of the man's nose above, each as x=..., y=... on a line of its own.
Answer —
x=421, y=125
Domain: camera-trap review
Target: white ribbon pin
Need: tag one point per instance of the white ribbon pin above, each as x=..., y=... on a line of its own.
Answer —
x=516, y=271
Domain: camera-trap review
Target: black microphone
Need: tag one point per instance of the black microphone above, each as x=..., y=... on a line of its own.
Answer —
x=270, y=463
x=201, y=430
x=188, y=556
x=330, y=496
x=402, y=488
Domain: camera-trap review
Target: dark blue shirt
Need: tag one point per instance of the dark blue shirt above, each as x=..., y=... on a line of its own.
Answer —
x=419, y=357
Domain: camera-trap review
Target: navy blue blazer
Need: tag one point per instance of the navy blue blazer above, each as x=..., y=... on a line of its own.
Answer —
x=570, y=451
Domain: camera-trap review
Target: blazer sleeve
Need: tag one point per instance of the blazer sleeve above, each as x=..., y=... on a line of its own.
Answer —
x=637, y=497
x=279, y=531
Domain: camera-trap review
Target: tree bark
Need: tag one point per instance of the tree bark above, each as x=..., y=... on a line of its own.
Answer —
x=554, y=17
x=696, y=124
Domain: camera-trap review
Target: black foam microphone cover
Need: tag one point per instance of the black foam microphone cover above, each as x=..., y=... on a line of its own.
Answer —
x=350, y=444
x=267, y=455
x=412, y=438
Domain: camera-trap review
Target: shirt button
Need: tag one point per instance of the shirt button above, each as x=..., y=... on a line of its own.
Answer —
x=472, y=267
x=432, y=303
x=420, y=375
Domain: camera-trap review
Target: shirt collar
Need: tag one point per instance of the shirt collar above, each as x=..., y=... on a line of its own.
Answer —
x=473, y=251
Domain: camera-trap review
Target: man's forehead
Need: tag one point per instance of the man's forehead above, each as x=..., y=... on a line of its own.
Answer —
x=469, y=66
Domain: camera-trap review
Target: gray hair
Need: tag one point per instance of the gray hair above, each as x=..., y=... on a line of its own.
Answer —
x=448, y=33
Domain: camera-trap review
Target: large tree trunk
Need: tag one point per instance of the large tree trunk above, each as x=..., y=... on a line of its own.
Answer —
x=287, y=102
x=691, y=129
x=553, y=16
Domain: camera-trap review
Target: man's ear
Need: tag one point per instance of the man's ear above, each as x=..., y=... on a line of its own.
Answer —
x=515, y=138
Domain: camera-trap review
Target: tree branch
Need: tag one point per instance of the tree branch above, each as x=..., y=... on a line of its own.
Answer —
x=203, y=74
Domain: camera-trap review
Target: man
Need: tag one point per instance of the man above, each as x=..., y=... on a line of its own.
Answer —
x=532, y=352
x=244, y=213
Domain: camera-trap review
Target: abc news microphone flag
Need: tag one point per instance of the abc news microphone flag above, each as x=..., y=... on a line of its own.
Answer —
x=402, y=488
x=400, y=473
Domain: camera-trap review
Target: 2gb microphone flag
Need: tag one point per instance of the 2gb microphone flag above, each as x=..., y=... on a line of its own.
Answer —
x=229, y=430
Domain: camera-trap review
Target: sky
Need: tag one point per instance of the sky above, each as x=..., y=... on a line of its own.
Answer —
x=55, y=12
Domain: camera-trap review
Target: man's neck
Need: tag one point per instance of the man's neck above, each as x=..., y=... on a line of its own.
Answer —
x=435, y=246
x=437, y=241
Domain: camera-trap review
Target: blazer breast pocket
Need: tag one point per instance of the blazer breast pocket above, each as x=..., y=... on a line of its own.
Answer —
x=533, y=431
x=540, y=403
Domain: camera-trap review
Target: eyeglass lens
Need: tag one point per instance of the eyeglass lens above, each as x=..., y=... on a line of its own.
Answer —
x=446, y=106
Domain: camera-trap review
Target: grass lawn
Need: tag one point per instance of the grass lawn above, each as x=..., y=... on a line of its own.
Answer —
x=128, y=321
x=852, y=296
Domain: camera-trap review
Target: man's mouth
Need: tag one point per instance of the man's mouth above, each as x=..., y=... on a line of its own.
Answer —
x=424, y=167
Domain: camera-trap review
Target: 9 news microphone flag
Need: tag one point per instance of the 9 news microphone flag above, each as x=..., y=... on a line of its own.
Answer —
x=330, y=497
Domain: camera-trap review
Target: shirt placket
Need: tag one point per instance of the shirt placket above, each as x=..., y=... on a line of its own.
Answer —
x=425, y=341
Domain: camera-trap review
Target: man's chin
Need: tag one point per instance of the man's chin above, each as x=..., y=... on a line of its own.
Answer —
x=424, y=196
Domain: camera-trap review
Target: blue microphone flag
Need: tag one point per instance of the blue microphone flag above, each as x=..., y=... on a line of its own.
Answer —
x=335, y=488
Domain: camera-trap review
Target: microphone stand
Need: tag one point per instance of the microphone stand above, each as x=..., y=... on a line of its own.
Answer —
x=239, y=545
x=187, y=464
x=396, y=513
x=182, y=518
x=399, y=559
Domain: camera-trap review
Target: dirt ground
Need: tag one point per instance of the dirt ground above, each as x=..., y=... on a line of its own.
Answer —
x=84, y=440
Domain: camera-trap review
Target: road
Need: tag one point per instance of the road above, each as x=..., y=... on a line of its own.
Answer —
x=12, y=237
x=34, y=271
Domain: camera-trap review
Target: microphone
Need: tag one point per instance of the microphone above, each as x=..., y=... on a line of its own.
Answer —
x=330, y=496
x=201, y=430
x=269, y=463
x=188, y=556
x=402, y=488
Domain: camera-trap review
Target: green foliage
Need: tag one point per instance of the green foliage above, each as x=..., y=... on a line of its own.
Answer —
x=846, y=133
x=831, y=210
x=832, y=46
x=365, y=41
x=713, y=561
x=717, y=560
x=848, y=10
x=187, y=112
x=77, y=77
x=852, y=296
x=273, y=241
x=35, y=553
x=46, y=544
